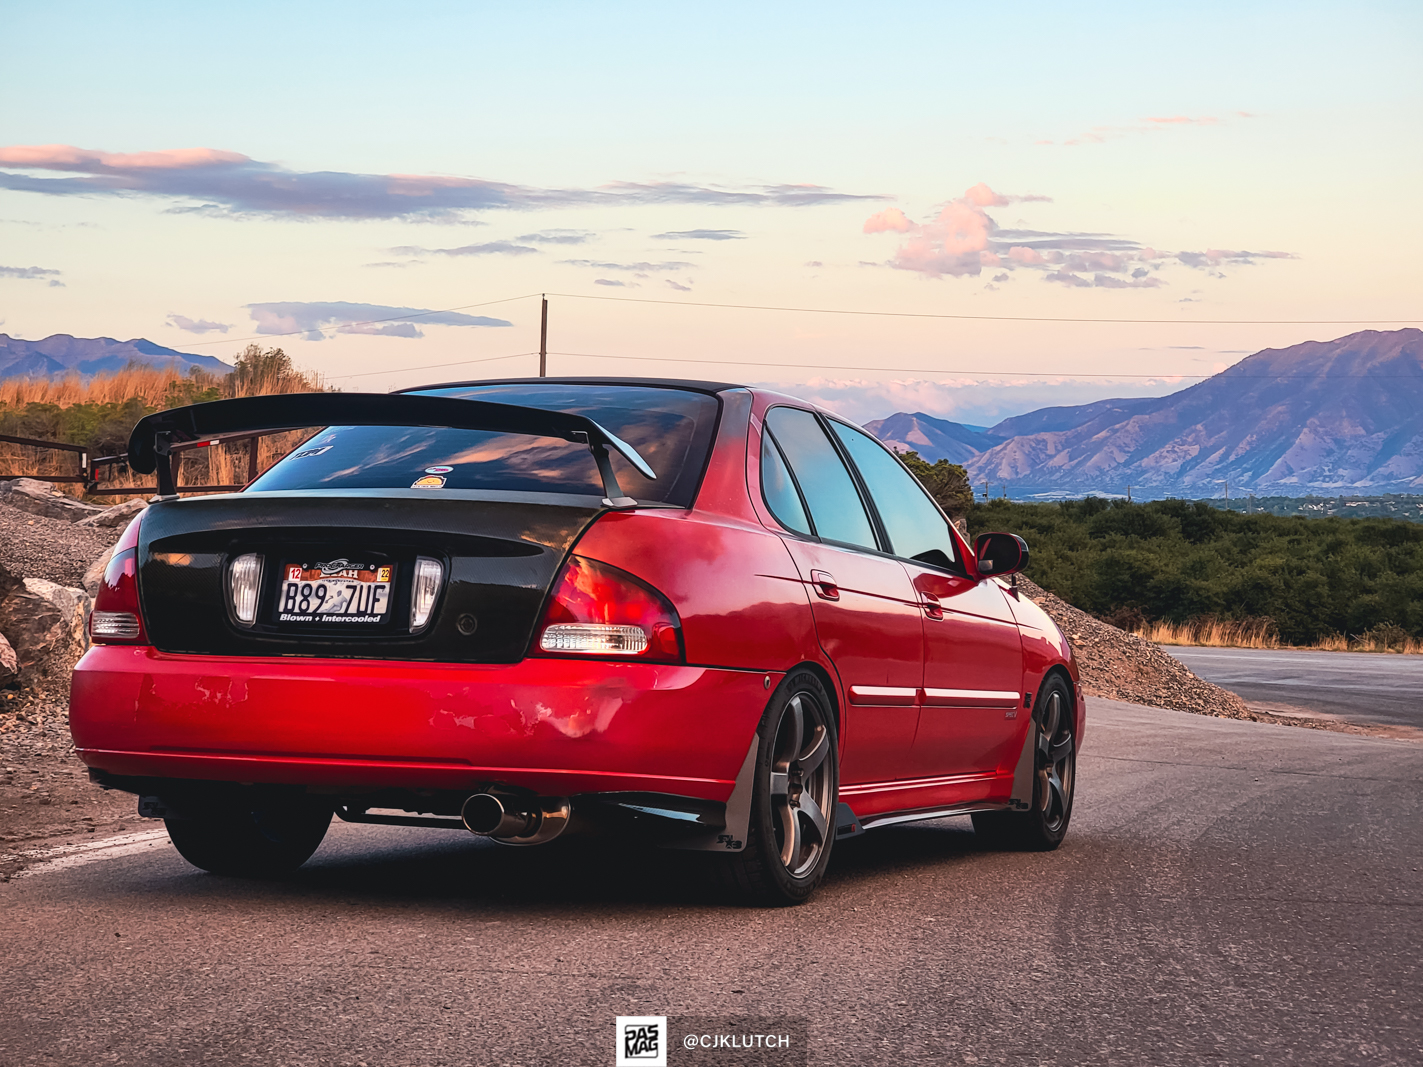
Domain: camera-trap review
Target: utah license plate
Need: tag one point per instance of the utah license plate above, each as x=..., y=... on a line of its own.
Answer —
x=337, y=592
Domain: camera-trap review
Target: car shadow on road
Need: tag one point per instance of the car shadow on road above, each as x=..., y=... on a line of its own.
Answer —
x=597, y=870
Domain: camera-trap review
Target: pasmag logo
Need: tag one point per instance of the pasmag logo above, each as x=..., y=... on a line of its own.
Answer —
x=642, y=1041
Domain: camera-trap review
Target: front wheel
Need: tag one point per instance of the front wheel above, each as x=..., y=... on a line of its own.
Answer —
x=1042, y=828
x=264, y=843
x=792, y=826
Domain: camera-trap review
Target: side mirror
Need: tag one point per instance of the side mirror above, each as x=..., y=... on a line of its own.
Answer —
x=1000, y=553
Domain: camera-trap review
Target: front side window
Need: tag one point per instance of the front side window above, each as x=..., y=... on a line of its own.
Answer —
x=829, y=490
x=917, y=529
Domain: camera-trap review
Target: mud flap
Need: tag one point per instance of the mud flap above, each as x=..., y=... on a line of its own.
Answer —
x=1022, y=798
x=731, y=837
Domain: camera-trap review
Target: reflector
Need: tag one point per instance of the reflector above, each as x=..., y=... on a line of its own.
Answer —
x=428, y=579
x=245, y=576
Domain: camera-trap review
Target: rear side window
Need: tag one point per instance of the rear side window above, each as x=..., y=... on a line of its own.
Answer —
x=917, y=529
x=671, y=428
x=830, y=493
x=781, y=494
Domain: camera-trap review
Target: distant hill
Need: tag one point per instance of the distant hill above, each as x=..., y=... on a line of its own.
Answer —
x=62, y=354
x=934, y=439
x=1319, y=417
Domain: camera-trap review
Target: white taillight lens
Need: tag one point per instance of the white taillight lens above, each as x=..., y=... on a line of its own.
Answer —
x=593, y=637
x=429, y=576
x=120, y=624
x=246, y=578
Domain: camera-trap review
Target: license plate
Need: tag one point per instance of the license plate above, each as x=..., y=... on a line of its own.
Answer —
x=336, y=593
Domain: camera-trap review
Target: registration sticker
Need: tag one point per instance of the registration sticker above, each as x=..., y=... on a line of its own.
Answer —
x=430, y=481
x=438, y=470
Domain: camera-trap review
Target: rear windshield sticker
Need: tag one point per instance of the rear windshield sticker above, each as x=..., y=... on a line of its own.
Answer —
x=438, y=470
x=430, y=481
x=310, y=452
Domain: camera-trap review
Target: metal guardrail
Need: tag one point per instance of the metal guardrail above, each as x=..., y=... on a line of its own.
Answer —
x=89, y=468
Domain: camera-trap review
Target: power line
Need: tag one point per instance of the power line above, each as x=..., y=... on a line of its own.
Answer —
x=430, y=366
x=986, y=318
x=929, y=370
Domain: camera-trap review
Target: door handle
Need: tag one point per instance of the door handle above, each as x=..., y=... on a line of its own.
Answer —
x=932, y=608
x=825, y=586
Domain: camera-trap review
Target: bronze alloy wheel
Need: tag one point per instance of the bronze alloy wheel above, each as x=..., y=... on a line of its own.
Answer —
x=793, y=805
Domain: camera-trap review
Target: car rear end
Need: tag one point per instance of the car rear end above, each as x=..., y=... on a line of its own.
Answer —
x=395, y=619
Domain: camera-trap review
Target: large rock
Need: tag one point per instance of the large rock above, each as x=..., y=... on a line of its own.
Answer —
x=43, y=620
x=117, y=515
x=9, y=662
x=41, y=498
x=95, y=574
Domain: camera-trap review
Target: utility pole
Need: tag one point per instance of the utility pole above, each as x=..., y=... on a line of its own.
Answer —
x=543, y=340
x=1128, y=494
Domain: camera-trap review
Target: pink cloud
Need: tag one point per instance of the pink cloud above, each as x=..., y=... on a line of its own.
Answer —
x=67, y=157
x=891, y=219
x=1028, y=257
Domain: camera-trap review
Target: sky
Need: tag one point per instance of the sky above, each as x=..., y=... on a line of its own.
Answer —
x=385, y=191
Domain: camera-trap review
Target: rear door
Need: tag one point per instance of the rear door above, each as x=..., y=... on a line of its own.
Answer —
x=865, y=610
x=973, y=655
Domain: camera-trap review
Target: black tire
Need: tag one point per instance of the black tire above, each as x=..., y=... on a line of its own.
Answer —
x=264, y=843
x=1043, y=827
x=794, y=798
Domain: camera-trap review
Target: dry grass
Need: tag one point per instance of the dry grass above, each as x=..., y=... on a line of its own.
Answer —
x=257, y=373
x=1261, y=633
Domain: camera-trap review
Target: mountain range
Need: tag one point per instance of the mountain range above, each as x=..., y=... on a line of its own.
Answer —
x=1319, y=417
x=61, y=354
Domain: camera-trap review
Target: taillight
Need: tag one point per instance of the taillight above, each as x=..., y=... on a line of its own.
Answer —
x=429, y=577
x=116, y=619
x=598, y=610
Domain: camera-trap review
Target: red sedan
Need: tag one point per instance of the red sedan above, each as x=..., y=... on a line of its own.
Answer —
x=715, y=617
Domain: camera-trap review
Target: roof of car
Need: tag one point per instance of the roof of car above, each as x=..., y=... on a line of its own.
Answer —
x=647, y=383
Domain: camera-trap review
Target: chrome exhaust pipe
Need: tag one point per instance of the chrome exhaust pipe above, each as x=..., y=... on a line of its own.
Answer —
x=513, y=820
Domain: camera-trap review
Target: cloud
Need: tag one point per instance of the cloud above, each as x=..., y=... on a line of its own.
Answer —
x=224, y=183
x=678, y=286
x=973, y=400
x=34, y=273
x=312, y=319
x=557, y=237
x=1212, y=258
x=637, y=268
x=700, y=235
x=614, y=282
x=1148, y=124
x=963, y=240
x=182, y=322
x=488, y=248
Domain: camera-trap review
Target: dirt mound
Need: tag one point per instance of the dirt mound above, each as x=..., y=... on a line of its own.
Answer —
x=1121, y=666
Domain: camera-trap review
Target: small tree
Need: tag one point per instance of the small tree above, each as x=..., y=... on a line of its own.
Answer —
x=947, y=483
x=260, y=372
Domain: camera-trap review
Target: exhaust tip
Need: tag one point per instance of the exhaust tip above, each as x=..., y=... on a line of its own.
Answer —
x=483, y=814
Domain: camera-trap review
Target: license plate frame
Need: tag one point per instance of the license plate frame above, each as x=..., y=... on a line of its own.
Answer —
x=355, y=596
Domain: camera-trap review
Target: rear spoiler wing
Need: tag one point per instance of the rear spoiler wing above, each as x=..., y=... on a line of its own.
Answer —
x=149, y=444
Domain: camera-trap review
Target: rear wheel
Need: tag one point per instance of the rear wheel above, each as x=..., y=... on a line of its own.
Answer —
x=261, y=843
x=794, y=798
x=1042, y=828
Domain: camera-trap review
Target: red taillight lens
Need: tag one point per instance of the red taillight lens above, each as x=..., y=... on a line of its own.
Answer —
x=598, y=610
x=116, y=619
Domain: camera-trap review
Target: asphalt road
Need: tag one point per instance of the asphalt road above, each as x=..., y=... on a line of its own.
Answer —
x=1230, y=893
x=1366, y=687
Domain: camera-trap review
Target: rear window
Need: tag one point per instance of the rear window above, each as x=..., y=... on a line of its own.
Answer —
x=671, y=428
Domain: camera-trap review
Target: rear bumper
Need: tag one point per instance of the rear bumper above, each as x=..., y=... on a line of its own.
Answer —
x=558, y=727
